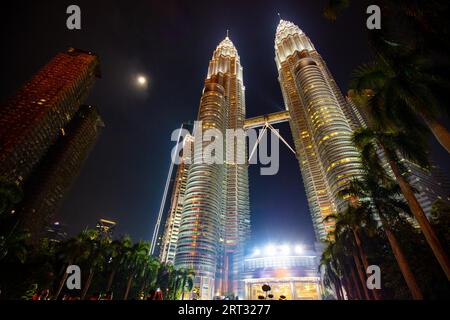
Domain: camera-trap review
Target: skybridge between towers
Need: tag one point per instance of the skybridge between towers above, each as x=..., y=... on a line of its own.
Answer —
x=266, y=121
x=271, y=118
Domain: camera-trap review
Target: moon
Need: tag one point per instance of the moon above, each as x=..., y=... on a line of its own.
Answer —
x=141, y=81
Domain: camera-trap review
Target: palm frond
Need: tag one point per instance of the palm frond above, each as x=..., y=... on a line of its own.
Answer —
x=334, y=8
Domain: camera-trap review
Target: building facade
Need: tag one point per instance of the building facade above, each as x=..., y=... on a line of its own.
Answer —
x=215, y=219
x=321, y=124
x=31, y=121
x=45, y=134
x=105, y=228
x=169, y=238
x=49, y=182
x=290, y=271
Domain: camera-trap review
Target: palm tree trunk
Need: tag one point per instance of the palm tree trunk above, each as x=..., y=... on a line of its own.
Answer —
x=110, y=280
x=142, y=288
x=421, y=218
x=341, y=291
x=349, y=292
x=175, y=289
x=62, y=282
x=182, y=287
x=361, y=274
x=87, y=284
x=402, y=263
x=355, y=282
x=364, y=260
x=127, y=291
x=337, y=289
x=439, y=131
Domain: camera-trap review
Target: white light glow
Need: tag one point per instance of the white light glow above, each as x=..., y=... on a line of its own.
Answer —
x=285, y=249
x=279, y=250
x=298, y=249
x=270, y=250
x=141, y=80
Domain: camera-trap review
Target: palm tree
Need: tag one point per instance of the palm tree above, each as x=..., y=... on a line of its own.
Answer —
x=149, y=273
x=342, y=265
x=75, y=249
x=135, y=262
x=381, y=197
x=331, y=270
x=422, y=24
x=165, y=277
x=10, y=195
x=98, y=254
x=410, y=71
x=394, y=144
x=175, y=283
x=404, y=89
x=334, y=8
x=119, y=251
x=188, y=276
x=349, y=224
x=14, y=246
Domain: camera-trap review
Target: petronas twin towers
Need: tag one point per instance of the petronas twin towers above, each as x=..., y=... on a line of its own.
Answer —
x=214, y=222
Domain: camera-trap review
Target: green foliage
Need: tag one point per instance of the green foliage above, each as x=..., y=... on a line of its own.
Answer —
x=120, y=266
x=10, y=195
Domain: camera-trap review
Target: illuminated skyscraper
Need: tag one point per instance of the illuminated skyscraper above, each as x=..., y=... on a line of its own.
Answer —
x=52, y=178
x=215, y=220
x=105, y=227
x=169, y=239
x=45, y=135
x=31, y=121
x=321, y=123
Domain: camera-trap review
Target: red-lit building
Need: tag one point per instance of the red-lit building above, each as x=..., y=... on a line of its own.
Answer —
x=32, y=120
x=45, y=134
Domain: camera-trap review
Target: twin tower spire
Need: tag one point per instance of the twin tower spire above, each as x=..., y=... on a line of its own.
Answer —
x=284, y=29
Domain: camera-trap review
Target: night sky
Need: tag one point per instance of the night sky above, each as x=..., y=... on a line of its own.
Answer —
x=171, y=42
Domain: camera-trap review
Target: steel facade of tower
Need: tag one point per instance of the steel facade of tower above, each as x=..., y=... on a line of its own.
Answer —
x=46, y=134
x=215, y=220
x=321, y=124
x=30, y=122
x=172, y=226
x=56, y=172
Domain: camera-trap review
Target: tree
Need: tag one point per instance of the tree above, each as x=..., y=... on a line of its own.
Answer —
x=149, y=273
x=404, y=90
x=119, y=251
x=409, y=147
x=75, y=249
x=135, y=263
x=188, y=276
x=380, y=196
x=348, y=224
x=10, y=195
x=98, y=253
x=331, y=270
